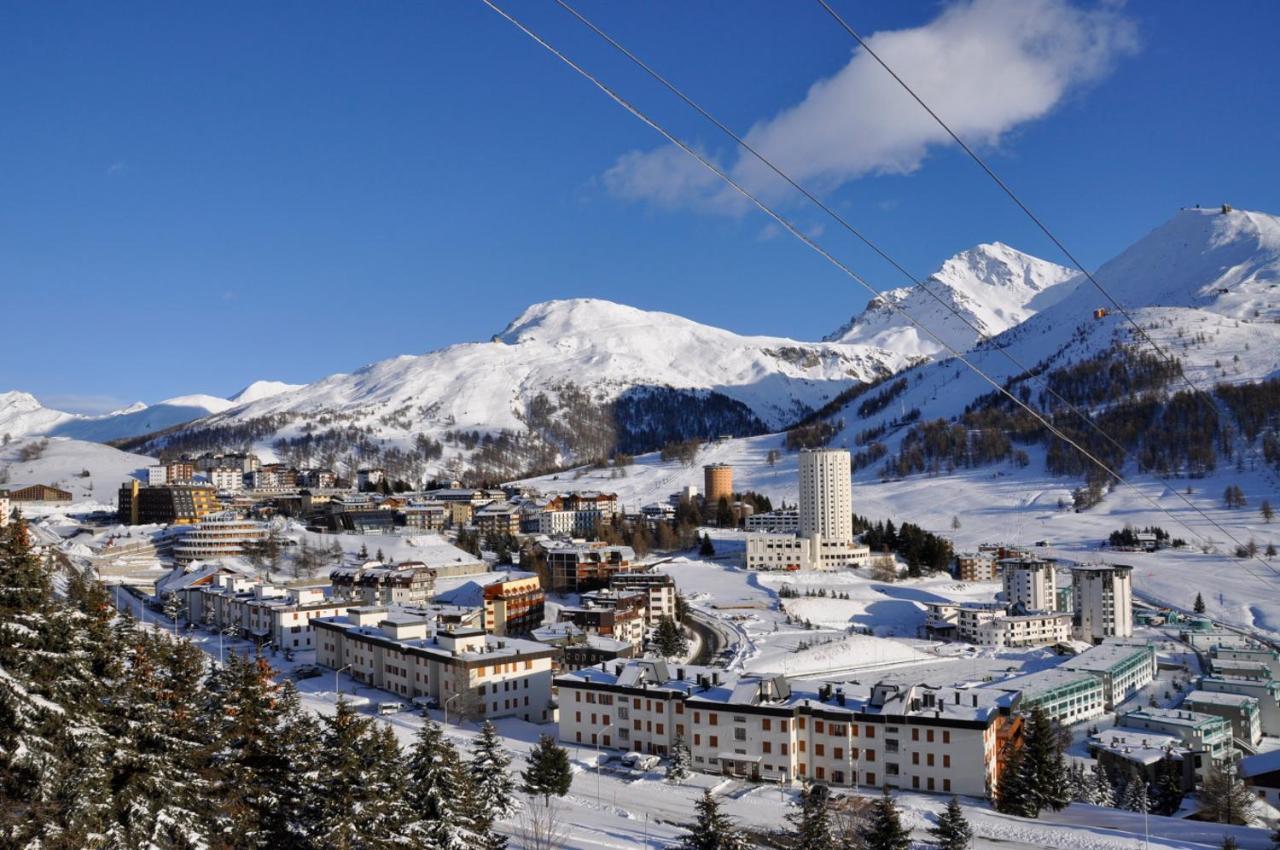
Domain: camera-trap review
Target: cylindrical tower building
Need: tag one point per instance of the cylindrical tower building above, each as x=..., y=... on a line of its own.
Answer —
x=718, y=481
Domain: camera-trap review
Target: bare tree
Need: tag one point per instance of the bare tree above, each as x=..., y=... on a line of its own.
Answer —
x=884, y=568
x=541, y=825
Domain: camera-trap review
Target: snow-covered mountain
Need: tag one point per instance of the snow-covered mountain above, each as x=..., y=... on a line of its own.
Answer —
x=563, y=368
x=22, y=414
x=1205, y=286
x=994, y=287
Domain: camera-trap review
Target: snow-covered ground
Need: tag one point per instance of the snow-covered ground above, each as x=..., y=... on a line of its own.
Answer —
x=609, y=808
x=64, y=463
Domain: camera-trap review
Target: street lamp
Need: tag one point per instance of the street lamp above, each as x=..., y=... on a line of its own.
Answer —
x=337, y=690
x=446, y=706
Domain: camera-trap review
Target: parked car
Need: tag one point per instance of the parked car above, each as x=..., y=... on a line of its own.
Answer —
x=390, y=707
x=306, y=671
x=426, y=703
x=640, y=761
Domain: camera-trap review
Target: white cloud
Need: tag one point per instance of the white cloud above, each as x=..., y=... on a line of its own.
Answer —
x=115, y=169
x=985, y=66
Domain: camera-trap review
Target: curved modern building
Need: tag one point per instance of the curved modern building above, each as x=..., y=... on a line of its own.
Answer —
x=219, y=536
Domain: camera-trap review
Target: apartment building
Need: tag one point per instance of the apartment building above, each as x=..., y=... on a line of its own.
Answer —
x=1241, y=711
x=945, y=740
x=1029, y=582
x=267, y=613
x=374, y=583
x=993, y=624
x=497, y=518
x=1124, y=667
x=1067, y=696
x=775, y=522
x=366, y=478
x=1221, y=656
x=566, y=523
x=430, y=516
x=579, y=649
x=1265, y=690
x=1205, y=733
x=514, y=605
x=1122, y=751
x=975, y=566
x=219, y=536
x=1102, y=601
x=474, y=674
x=660, y=589
x=575, y=567
x=621, y=615
x=178, y=504
x=226, y=479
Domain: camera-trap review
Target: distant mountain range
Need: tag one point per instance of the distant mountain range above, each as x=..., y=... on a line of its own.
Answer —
x=575, y=379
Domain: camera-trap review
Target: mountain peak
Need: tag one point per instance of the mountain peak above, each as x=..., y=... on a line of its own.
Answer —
x=263, y=389
x=565, y=317
x=991, y=285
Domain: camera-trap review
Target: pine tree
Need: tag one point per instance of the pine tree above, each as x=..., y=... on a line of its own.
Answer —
x=440, y=794
x=1103, y=791
x=953, y=831
x=490, y=768
x=1199, y=604
x=547, y=773
x=1133, y=796
x=1229, y=843
x=1167, y=795
x=812, y=824
x=357, y=800
x=1226, y=799
x=711, y=829
x=669, y=640
x=884, y=829
x=678, y=767
x=1013, y=793
x=707, y=549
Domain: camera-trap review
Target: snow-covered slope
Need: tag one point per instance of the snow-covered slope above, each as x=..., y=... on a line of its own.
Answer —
x=22, y=414
x=259, y=390
x=64, y=463
x=591, y=350
x=994, y=287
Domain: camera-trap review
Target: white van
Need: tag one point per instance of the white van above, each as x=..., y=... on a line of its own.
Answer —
x=390, y=707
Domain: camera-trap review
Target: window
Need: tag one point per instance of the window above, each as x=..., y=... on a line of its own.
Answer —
x=871, y=779
x=930, y=783
x=739, y=734
x=712, y=719
x=819, y=727
x=837, y=753
x=766, y=747
x=800, y=745
x=915, y=758
x=946, y=760
x=915, y=734
x=697, y=740
x=871, y=755
x=929, y=760
x=766, y=724
x=946, y=785
x=800, y=723
x=871, y=731
x=946, y=736
x=715, y=741
x=928, y=735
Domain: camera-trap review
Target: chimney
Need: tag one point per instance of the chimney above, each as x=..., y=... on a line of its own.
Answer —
x=715, y=677
x=680, y=673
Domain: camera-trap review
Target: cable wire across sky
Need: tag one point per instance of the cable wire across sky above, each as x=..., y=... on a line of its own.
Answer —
x=791, y=228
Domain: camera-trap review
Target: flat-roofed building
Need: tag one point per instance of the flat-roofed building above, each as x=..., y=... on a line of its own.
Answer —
x=1206, y=733
x=475, y=674
x=174, y=504
x=1240, y=710
x=621, y=615
x=975, y=566
x=1265, y=690
x=1067, y=696
x=1125, y=667
x=219, y=536
x=1221, y=653
x=766, y=727
x=775, y=522
x=514, y=605
x=1029, y=582
x=575, y=567
x=1102, y=601
x=1123, y=751
x=660, y=589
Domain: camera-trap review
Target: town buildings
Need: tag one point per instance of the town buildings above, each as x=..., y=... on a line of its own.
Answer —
x=824, y=538
x=219, y=535
x=1102, y=601
x=659, y=588
x=172, y=504
x=717, y=483
x=946, y=740
x=1264, y=689
x=226, y=479
x=43, y=493
x=514, y=605
x=621, y=615
x=465, y=670
x=575, y=567
x=775, y=522
x=975, y=566
x=374, y=583
x=1240, y=710
x=260, y=611
x=1067, y=696
x=1124, y=667
x=1030, y=583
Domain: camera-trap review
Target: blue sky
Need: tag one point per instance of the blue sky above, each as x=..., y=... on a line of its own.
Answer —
x=193, y=197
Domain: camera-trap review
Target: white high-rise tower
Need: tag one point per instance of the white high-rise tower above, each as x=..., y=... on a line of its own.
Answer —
x=826, y=506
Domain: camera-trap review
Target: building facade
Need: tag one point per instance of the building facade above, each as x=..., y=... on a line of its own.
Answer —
x=764, y=727
x=1102, y=601
x=1030, y=583
x=218, y=536
x=472, y=673
x=515, y=605
x=717, y=479
x=660, y=589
